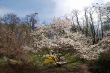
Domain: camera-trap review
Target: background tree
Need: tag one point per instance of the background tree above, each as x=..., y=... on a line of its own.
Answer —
x=106, y=13
x=11, y=20
x=31, y=19
x=91, y=22
x=100, y=12
x=76, y=17
x=86, y=22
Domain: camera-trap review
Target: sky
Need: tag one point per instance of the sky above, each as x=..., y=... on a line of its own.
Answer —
x=46, y=9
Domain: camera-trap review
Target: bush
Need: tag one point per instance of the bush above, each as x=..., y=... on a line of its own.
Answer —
x=102, y=64
x=12, y=42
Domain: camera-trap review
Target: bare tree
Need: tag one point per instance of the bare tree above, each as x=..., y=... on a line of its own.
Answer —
x=75, y=14
x=107, y=10
x=73, y=28
x=11, y=20
x=32, y=20
x=100, y=12
x=106, y=13
x=91, y=22
x=86, y=22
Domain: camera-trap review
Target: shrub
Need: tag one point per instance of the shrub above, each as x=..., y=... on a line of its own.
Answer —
x=102, y=64
x=50, y=59
x=11, y=42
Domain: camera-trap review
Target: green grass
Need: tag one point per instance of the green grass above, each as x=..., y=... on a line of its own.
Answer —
x=38, y=59
x=72, y=61
x=2, y=62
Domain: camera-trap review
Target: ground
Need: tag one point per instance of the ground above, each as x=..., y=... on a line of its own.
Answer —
x=80, y=68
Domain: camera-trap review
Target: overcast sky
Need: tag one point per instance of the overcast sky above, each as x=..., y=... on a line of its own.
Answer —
x=47, y=9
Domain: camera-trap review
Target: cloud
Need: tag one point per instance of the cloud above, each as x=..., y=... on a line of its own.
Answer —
x=66, y=6
x=47, y=9
x=101, y=1
x=4, y=10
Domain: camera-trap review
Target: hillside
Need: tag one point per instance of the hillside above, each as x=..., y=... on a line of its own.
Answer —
x=59, y=36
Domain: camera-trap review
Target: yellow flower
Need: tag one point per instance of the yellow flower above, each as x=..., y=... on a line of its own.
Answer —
x=50, y=59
